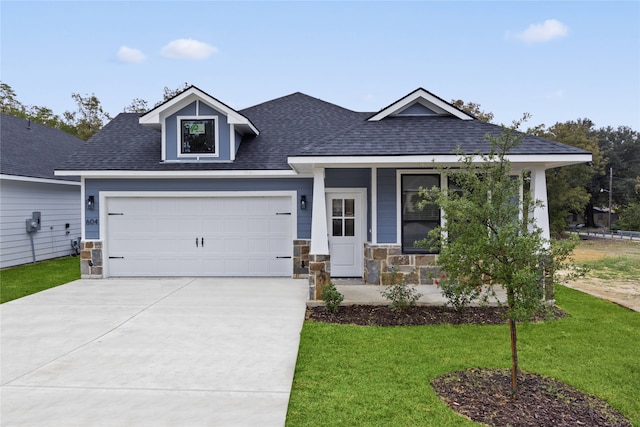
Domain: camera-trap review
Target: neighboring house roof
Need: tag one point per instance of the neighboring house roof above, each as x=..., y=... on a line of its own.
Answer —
x=33, y=150
x=299, y=125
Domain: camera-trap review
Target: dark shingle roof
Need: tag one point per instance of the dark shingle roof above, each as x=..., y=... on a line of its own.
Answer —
x=34, y=150
x=434, y=135
x=300, y=125
x=285, y=125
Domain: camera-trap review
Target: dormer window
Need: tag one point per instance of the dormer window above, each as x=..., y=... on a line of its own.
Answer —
x=198, y=136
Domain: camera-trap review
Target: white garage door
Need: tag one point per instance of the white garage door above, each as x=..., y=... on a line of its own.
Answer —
x=199, y=236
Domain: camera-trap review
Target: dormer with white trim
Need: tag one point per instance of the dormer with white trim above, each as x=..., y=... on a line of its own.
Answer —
x=196, y=127
x=420, y=102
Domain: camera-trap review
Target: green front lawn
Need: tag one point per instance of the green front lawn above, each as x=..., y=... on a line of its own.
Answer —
x=17, y=282
x=379, y=376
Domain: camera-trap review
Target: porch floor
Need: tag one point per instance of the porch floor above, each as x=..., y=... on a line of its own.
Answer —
x=355, y=292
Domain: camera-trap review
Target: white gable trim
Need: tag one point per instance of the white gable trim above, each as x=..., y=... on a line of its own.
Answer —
x=425, y=98
x=155, y=116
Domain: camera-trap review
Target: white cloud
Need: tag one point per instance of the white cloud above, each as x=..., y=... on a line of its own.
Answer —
x=548, y=30
x=557, y=94
x=127, y=54
x=188, y=49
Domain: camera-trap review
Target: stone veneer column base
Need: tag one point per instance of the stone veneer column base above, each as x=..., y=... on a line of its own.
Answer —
x=91, y=260
x=301, y=258
x=319, y=274
x=417, y=269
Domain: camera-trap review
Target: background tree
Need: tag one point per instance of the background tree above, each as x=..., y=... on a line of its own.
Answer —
x=9, y=103
x=89, y=118
x=170, y=93
x=621, y=148
x=568, y=188
x=86, y=121
x=485, y=241
x=137, y=106
x=473, y=109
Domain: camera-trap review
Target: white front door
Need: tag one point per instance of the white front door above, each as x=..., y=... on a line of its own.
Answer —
x=346, y=218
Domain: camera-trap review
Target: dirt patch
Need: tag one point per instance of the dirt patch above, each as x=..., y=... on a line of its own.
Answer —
x=625, y=292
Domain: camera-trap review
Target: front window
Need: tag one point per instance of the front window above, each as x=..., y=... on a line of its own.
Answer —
x=198, y=136
x=416, y=223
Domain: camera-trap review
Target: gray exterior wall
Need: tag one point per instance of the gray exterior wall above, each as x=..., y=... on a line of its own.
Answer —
x=303, y=186
x=58, y=204
x=172, y=135
x=387, y=202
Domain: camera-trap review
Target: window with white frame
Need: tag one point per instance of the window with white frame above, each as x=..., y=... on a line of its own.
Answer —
x=198, y=136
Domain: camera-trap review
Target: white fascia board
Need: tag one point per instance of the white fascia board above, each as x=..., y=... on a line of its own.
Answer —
x=40, y=180
x=155, y=117
x=418, y=95
x=185, y=174
x=424, y=161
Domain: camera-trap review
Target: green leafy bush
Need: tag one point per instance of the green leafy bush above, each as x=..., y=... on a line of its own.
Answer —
x=401, y=295
x=331, y=297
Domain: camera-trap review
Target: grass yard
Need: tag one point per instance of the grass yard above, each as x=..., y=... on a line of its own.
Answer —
x=379, y=376
x=17, y=282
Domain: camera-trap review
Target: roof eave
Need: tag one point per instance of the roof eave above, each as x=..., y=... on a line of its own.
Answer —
x=518, y=161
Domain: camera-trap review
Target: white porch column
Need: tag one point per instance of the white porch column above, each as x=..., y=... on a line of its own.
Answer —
x=319, y=235
x=539, y=193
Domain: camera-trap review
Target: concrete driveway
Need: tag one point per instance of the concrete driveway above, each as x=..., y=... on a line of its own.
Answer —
x=152, y=352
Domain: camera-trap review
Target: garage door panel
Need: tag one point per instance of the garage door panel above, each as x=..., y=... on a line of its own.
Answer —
x=234, y=245
x=156, y=236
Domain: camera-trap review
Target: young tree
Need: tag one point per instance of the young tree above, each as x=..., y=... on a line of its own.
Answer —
x=489, y=236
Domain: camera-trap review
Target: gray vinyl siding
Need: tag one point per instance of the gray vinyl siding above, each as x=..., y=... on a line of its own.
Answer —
x=352, y=178
x=303, y=186
x=172, y=132
x=387, y=202
x=58, y=204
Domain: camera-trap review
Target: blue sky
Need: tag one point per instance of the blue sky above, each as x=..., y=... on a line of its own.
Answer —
x=558, y=61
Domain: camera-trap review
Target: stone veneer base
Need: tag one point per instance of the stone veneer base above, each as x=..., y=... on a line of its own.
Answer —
x=91, y=260
x=417, y=269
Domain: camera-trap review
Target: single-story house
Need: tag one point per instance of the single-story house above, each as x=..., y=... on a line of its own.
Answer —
x=39, y=211
x=295, y=186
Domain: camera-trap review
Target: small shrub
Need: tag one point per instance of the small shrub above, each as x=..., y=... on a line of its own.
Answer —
x=459, y=295
x=331, y=297
x=401, y=295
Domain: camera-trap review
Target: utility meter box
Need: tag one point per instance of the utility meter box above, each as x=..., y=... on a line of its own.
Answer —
x=32, y=225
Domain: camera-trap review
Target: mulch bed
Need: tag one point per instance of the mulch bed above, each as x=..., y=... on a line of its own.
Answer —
x=382, y=315
x=484, y=395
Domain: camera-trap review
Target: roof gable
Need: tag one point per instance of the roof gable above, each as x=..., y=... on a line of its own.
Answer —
x=420, y=102
x=155, y=116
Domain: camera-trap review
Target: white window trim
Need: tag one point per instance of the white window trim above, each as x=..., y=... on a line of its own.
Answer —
x=216, y=153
